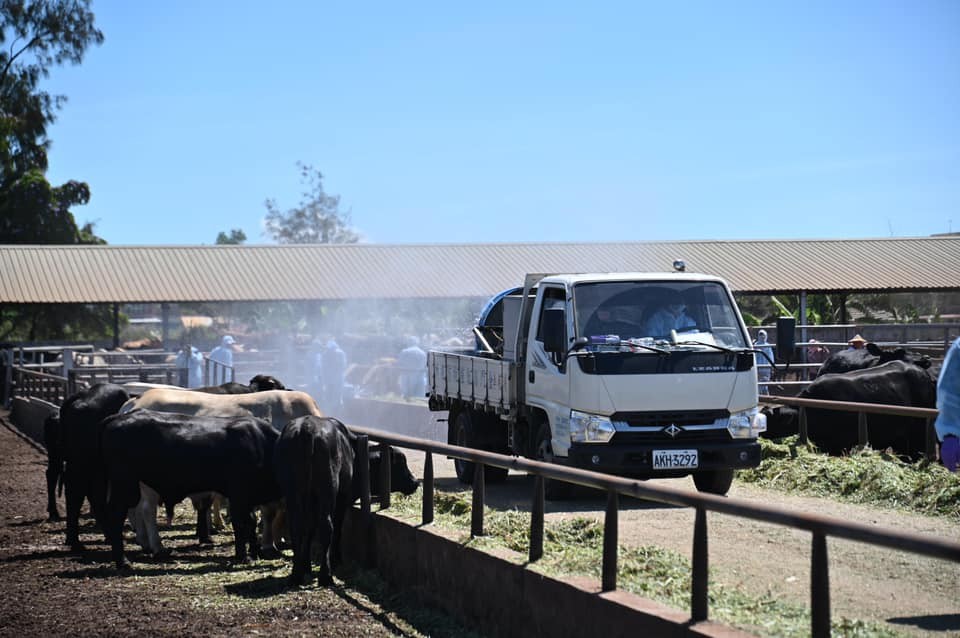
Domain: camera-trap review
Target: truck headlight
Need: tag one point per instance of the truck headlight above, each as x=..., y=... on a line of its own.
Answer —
x=590, y=428
x=747, y=424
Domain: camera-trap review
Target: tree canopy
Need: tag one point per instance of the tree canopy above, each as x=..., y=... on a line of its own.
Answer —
x=35, y=36
x=236, y=237
x=317, y=220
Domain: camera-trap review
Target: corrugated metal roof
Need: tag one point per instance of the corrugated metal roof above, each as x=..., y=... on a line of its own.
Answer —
x=144, y=274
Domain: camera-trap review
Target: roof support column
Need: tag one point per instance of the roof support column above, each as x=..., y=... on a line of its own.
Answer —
x=116, y=326
x=164, y=319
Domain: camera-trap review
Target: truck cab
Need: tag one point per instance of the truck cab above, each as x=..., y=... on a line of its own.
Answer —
x=635, y=374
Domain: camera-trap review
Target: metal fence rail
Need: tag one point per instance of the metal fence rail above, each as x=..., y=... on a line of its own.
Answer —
x=862, y=410
x=819, y=526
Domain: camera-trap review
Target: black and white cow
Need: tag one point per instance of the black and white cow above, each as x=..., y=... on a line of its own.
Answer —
x=177, y=455
x=80, y=418
x=835, y=432
x=315, y=462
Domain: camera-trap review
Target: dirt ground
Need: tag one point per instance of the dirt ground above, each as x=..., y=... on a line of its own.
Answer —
x=45, y=591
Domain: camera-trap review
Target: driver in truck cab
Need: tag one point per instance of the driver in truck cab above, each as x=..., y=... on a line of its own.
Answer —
x=670, y=316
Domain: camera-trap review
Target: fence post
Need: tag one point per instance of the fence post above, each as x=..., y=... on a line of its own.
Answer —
x=385, y=487
x=698, y=587
x=363, y=466
x=427, y=512
x=862, y=429
x=819, y=587
x=8, y=377
x=610, y=540
x=476, y=514
x=930, y=434
x=536, y=520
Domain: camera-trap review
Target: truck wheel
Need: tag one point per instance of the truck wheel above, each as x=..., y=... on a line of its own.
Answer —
x=713, y=481
x=464, y=436
x=552, y=490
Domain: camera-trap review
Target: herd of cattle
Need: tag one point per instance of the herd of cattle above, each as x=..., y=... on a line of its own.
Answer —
x=257, y=446
x=867, y=375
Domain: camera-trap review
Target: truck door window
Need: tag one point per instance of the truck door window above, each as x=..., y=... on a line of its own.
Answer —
x=552, y=298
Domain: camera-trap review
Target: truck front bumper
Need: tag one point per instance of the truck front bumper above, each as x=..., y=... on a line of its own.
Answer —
x=636, y=461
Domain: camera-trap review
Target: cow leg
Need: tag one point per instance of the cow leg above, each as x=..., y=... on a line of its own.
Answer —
x=300, y=539
x=339, y=513
x=244, y=531
x=325, y=537
x=121, y=496
x=202, y=504
x=146, y=514
x=268, y=545
x=74, y=498
x=216, y=507
x=54, y=473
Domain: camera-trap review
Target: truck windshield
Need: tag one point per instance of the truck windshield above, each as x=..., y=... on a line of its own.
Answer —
x=609, y=312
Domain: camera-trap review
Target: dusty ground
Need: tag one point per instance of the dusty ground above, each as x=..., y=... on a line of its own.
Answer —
x=45, y=591
x=914, y=595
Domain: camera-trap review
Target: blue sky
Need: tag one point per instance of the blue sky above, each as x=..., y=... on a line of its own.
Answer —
x=550, y=121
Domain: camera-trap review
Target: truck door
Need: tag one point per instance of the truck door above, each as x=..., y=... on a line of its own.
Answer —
x=547, y=382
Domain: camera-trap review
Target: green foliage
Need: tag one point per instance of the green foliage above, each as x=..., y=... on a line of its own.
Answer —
x=236, y=237
x=317, y=220
x=865, y=476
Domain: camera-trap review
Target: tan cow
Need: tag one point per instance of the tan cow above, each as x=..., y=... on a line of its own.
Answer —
x=275, y=406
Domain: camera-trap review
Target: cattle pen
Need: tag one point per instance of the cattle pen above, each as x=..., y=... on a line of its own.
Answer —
x=819, y=527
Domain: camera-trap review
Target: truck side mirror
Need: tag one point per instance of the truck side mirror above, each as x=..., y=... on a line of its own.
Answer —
x=786, y=338
x=553, y=329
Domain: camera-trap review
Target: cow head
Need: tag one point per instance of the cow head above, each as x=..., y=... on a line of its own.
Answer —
x=401, y=478
x=782, y=420
x=263, y=382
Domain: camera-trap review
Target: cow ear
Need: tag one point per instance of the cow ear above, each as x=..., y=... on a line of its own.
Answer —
x=874, y=349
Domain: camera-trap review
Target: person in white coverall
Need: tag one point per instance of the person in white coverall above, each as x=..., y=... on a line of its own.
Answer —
x=948, y=403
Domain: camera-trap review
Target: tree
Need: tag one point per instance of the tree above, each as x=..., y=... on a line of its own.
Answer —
x=317, y=220
x=34, y=37
x=236, y=237
x=40, y=34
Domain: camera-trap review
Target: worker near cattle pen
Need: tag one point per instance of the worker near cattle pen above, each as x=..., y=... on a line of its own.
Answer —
x=948, y=403
x=223, y=354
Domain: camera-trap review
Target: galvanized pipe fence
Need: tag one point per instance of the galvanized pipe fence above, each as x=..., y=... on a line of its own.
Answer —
x=820, y=527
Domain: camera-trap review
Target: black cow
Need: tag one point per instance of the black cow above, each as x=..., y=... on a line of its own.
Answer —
x=870, y=356
x=80, y=418
x=315, y=460
x=893, y=383
x=177, y=455
x=53, y=441
x=259, y=383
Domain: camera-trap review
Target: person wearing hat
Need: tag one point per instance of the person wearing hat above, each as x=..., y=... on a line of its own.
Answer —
x=947, y=424
x=857, y=342
x=223, y=355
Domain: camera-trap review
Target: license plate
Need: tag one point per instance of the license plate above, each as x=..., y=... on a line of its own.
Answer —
x=675, y=459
